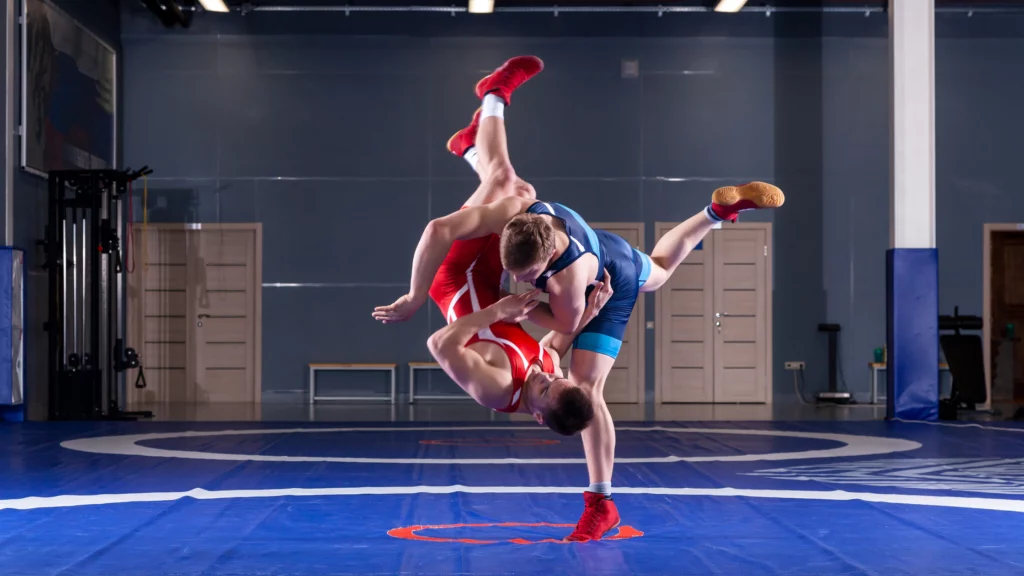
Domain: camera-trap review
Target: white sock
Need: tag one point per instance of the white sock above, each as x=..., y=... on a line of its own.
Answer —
x=471, y=156
x=601, y=488
x=710, y=215
x=493, y=106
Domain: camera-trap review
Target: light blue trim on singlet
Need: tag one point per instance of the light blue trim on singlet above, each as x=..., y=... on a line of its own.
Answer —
x=594, y=244
x=599, y=343
x=645, y=270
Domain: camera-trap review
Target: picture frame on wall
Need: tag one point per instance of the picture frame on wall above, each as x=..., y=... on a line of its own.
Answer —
x=68, y=93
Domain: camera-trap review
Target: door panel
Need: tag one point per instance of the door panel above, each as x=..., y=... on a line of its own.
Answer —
x=684, y=353
x=1007, y=302
x=740, y=336
x=224, y=314
x=156, y=315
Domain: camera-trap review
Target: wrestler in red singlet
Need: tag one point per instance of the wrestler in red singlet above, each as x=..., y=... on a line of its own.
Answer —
x=468, y=281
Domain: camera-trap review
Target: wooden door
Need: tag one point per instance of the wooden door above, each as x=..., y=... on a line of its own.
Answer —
x=1007, y=298
x=713, y=320
x=685, y=335
x=157, y=315
x=194, y=309
x=741, y=314
x=625, y=383
x=224, y=314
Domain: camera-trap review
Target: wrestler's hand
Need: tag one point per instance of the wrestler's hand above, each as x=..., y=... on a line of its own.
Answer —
x=398, y=311
x=599, y=296
x=514, y=308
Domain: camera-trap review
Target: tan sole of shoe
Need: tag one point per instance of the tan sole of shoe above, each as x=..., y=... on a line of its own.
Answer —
x=448, y=145
x=760, y=193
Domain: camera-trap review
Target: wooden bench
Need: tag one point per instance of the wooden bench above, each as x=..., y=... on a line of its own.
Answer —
x=314, y=368
x=413, y=367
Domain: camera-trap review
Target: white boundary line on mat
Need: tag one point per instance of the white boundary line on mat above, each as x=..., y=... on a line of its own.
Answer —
x=964, y=425
x=127, y=445
x=67, y=501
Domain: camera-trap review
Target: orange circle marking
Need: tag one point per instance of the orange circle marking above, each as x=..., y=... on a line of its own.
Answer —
x=492, y=442
x=410, y=533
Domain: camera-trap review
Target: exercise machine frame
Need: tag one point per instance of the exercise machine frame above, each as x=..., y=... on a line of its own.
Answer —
x=87, y=355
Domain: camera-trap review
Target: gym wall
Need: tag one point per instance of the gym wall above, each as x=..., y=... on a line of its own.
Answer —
x=331, y=131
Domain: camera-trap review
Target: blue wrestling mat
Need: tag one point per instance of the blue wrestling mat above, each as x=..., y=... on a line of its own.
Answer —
x=718, y=498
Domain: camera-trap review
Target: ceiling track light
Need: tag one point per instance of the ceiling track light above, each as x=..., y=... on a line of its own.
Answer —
x=730, y=6
x=480, y=6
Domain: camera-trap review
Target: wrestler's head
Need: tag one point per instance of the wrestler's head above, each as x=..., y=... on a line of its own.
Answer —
x=558, y=403
x=527, y=244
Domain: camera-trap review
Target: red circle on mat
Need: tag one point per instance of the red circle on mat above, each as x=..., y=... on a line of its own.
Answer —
x=492, y=442
x=410, y=533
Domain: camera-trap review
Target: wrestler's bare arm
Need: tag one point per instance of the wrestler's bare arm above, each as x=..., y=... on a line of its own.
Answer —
x=564, y=310
x=559, y=343
x=467, y=368
x=441, y=233
x=437, y=240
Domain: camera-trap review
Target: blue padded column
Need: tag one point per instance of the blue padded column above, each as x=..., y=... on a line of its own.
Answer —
x=12, y=385
x=912, y=302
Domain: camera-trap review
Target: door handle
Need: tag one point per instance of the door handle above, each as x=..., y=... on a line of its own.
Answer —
x=201, y=316
x=720, y=314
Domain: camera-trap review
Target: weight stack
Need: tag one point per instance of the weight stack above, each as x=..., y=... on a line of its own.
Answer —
x=12, y=341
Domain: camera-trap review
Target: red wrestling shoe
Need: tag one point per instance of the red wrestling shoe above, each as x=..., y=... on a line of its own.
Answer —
x=509, y=76
x=729, y=201
x=466, y=138
x=598, y=518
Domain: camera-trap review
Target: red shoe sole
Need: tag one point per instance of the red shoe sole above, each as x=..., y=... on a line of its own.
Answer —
x=478, y=89
x=605, y=533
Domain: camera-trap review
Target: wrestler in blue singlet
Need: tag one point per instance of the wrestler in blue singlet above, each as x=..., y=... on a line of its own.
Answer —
x=628, y=268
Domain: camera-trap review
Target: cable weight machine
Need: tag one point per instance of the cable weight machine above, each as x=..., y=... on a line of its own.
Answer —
x=87, y=354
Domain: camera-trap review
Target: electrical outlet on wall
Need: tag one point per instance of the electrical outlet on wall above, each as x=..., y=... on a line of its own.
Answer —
x=795, y=365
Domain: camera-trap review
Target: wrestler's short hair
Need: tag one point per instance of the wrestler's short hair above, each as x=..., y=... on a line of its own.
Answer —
x=571, y=413
x=526, y=240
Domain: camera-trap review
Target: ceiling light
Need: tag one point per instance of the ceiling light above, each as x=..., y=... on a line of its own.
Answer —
x=481, y=6
x=214, y=5
x=730, y=5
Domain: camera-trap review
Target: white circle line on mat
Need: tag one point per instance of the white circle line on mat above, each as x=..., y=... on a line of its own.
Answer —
x=127, y=445
x=69, y=501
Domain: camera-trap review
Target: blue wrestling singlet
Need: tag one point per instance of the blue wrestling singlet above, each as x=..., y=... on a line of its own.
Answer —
x=628, y=268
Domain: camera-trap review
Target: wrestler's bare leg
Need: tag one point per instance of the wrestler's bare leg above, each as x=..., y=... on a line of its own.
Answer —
x=484, y=144
x=726, y=204
x=498, y=178
x=590, y=369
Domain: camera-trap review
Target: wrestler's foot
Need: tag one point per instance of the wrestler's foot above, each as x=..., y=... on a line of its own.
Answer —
x=727, y=202
x=464, y=139
x=598, y=518
x=509, y=76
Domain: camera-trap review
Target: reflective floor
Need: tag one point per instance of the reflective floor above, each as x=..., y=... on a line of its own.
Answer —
x=295, y=408
x=734, y=498
x=467, y=411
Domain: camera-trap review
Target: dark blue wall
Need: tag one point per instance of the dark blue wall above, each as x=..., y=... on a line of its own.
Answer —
x=335, y=142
